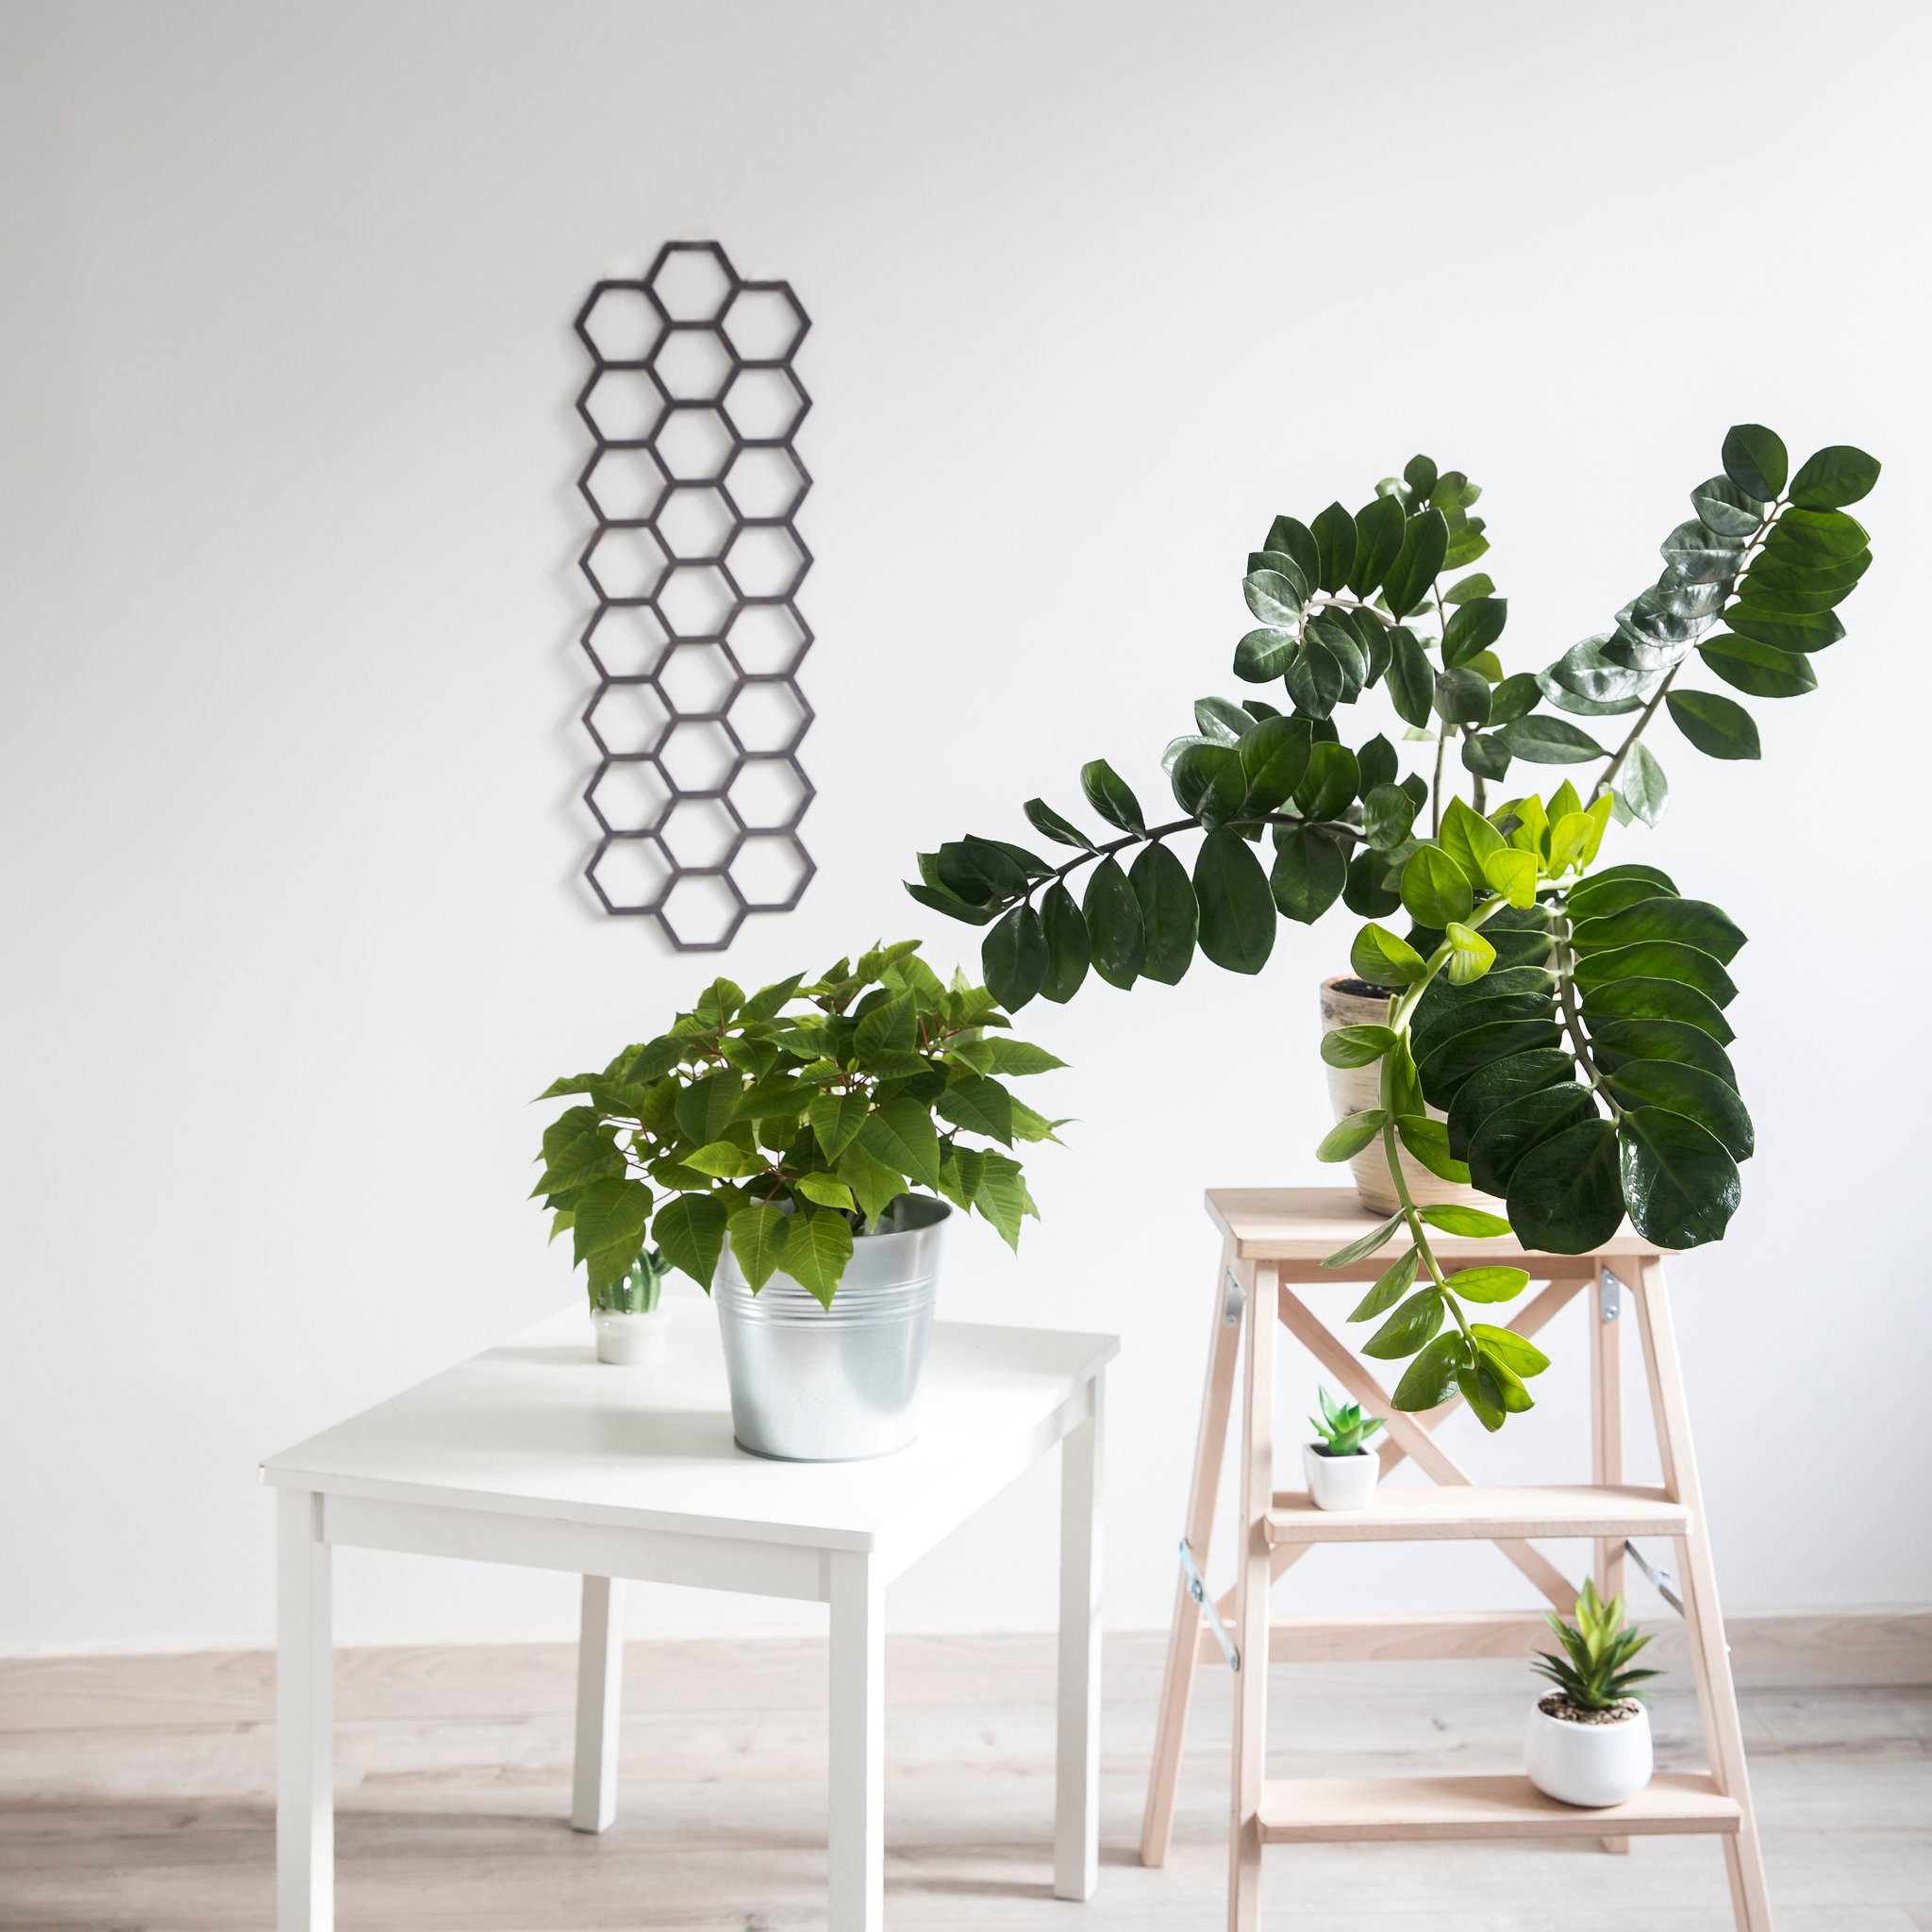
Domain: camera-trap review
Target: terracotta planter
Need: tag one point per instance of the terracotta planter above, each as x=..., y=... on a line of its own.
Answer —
x=1354, y=1089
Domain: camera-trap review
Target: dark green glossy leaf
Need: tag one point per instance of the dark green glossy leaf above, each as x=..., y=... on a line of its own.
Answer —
x=1476, y=584
x=1688, y=922
x=1221, y=721
x=1785, y=630
x=1067, y=951
x=1406, y=583
x=978, y=872
x=1043, y=819
x=1790, y=585
x=1108, y=794
x=1641, y=785
x=1308, y=874
x=1388, y=1289
x=1516, y=697
x=1420, y=473
x=1681, y=1185
x=1451, y=1063
x=1614, y=1042
x=1430, y=1379
x=1567, y=1194
x=1275, y=597
x=1379, y=527
x=1364, y=892
x=939, y=900
x=1488, y=756
x=1344, y=643
x=1542, y=740
x=1700, y=1096
x=1411, y=679
x=1236, y=917
x=1834, y=478
x=1387, y=814
x=1462, y=696
x=1615, y=886
x=1754, y=460
x=1294, y=538
x=1409, y=1328
x=1315, y=678
x=1514, y=1128
x=1334, y=534
x=1658, y=959
x=1726, y=511
x=1208, y=782
x=1430, y=1027
x=1274, y=756
x=1113, y=925
x=1473, y=628
x=1814, y=539
x=1657, y=999
x=1014, y=958
x=1169, y=915
x=1331, y=783
x=1378, y=763
x=1496, y=1084
x=1264, y=654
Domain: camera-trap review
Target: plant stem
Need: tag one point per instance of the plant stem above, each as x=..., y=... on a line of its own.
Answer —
x=1572, y=1022
x=1337, y=827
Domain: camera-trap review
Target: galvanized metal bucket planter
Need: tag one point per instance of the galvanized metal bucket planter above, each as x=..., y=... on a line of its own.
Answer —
x=811, y=1384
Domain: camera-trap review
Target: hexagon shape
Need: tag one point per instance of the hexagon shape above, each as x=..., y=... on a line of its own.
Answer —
x=698, y=755
x=623, y=486
x=627, y=719
x=697, y=680
x=692, y=281
x=624, y=562
x=628, y=795
x=770, y=793
x=771, y=871
x=766, y=561
x=695, y=601
x=764, y=405
x=630, y=875
x=766, y=481
x=695, y=523
x=768, y=714
x=621, y=404
x=695, y=443
x=764, y=323
x=768, y=640
x=702, y=912
x=619, y=323
x=692, y=365
x=700, y=834
x=624, y=640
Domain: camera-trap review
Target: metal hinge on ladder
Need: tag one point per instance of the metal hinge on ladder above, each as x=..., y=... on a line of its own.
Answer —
x=1198, y=1591
x=1660, y=1575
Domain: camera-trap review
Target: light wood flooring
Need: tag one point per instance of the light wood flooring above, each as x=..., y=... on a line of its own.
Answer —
x=135, y=1797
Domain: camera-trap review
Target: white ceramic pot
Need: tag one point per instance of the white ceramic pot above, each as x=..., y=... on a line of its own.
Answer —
x=1353, y=1088
x=624, y=1340
x=1340, y=1482
x=1590, y=1765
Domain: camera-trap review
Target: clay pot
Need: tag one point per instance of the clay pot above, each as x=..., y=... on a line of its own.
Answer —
x=1354, y=1089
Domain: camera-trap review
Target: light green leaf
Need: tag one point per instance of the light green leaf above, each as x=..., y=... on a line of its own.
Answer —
x=1430, y=1379
x=901, y=1134
x=1509, y=1348
x=1512, y=873
x=1428, y=1140
x=1409, y=1328
x=875, y=1185
x=723, y=1161
x=1470, y=954
x=818, y=1246
x=1468, y=838
x=1434, y=889
x=757, y=1240
x=1488, y=1284
x=1344, y=1141
x=1357, y=1046
x=690, y=1232
x=1359, y=1249
x=1471, y=1222
x=1382, y=960
x=1388, y=1290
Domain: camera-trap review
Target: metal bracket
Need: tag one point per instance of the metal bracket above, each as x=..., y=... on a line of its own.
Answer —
x=1198, y=1591
x=1659, y=1573
x=1233, y=1301
x=1610, y=1297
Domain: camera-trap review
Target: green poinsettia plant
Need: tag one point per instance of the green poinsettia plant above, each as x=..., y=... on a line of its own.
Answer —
x=791, y=1119
x=1555, y=1032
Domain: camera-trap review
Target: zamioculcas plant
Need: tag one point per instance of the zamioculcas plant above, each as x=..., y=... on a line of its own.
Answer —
x=792, y=1117
x=1569, y=1023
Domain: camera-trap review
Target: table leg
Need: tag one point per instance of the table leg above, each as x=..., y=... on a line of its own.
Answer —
x=305, y=1740
x=857, y=1813
x=1077, y=1797
x=600, y=1701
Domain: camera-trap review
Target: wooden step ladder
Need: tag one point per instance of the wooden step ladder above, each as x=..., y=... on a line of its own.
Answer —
x=1272, y=1242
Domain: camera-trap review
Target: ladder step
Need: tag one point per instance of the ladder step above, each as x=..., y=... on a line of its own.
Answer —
x=1323, y=1810
x=1394, y=1637
x=1469, y=1511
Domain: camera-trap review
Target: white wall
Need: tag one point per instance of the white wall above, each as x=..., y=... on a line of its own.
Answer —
x=290, y=763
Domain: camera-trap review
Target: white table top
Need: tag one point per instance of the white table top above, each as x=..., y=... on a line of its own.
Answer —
x=540, y=1427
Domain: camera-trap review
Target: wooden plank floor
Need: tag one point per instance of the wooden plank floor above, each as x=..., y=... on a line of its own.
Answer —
x=135, y=1797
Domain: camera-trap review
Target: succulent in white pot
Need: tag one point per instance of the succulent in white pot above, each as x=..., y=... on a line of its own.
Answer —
x=1342, y=1469
x=1589, y=1740
x=628, y=1313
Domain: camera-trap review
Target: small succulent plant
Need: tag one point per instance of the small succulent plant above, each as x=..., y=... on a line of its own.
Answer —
x=1592, y=1676
x=1341, y=1426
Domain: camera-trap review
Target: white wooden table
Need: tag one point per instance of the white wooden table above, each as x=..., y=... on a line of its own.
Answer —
x=534, y=1453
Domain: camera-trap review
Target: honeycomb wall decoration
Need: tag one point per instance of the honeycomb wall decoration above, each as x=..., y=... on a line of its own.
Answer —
x=695, y=563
